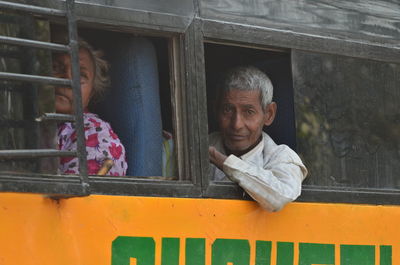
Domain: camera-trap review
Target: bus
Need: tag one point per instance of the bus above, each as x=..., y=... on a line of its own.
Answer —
x=335, y=67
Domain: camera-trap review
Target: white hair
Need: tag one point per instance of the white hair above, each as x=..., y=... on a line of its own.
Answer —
x=101, y=79
x=247, y=78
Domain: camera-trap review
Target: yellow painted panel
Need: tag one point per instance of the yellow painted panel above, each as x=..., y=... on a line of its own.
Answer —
x=38, y=230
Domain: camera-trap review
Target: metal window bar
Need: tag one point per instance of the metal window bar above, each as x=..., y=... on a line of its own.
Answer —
x=24, y=153
x=73, y=49
x=76, y=87
x=56, y=117
x=34, y=44
x=31, y=9
x=35, y=78
x=42, y=118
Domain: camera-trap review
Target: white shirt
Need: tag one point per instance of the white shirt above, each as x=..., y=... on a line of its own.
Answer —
x=271, y=174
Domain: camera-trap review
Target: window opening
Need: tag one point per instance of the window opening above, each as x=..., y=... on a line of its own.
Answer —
x=252, y=87
x=28, y=135
x=168, y=75
x=137, y=103
x=277, y=65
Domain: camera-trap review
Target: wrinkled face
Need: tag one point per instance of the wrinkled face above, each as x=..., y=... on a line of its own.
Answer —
x=62, y=69
x=241, y=120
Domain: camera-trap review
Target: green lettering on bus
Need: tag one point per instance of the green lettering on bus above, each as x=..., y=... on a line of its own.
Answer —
x=285, y=253
x=170, y=251
x=263, y=252
x=124, y=248
x=195, y=251
x=236, y=251
x=357, y=255
x=310, y=254
x=386, y=255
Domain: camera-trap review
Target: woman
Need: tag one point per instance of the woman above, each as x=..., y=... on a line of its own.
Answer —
x=101, y=142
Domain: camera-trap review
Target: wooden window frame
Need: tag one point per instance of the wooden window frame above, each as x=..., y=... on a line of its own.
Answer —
x=187, y=36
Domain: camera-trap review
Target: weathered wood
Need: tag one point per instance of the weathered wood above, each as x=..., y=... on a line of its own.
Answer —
x=369, y=20
x=178, y=7
x=177, y=82
x=202, y=120
x=191, y=62
x=138, y=19
x=247, y=35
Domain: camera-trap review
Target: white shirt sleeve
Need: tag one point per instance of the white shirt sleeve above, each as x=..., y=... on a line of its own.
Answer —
x=272, y=188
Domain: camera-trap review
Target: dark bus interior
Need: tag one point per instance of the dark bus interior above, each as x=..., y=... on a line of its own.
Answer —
x=276, y=64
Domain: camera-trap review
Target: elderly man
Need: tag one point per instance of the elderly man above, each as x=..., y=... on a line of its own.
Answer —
x=272, y=174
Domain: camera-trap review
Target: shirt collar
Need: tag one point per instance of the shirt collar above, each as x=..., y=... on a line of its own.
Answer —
x=257, y=150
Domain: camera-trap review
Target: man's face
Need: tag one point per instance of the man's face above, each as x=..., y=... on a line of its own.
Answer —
x=62, y=68
x=241, y=119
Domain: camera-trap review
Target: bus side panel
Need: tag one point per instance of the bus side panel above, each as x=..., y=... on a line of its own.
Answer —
x=120, y=230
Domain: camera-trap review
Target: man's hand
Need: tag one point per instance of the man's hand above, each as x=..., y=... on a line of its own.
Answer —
x=216, y=157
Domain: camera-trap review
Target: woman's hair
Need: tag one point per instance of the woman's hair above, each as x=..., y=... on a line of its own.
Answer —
x=101, y=79
x=246, y=78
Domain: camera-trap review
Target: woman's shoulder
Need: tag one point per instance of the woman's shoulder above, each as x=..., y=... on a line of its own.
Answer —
x=96, y=126
x=93, y=122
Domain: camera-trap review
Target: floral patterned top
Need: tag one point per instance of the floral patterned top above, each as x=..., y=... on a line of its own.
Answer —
x=101, y=143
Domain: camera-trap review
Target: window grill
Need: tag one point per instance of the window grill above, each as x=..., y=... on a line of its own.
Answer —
x=72, y=48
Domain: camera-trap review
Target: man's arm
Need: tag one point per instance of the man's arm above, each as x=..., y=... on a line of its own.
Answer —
x=272, y=188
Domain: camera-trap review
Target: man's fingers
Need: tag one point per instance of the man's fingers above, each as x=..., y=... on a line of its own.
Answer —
x=211, y=152
x=216, y=157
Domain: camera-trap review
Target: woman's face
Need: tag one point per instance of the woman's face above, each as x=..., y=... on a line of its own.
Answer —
x=62, y=69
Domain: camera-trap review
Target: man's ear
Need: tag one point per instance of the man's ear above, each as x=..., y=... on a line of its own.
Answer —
x=269, y=114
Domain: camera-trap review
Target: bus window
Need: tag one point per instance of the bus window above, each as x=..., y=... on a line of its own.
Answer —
x=137, y=103
x=257, y=66
x=22, y=103
x=276, y=64
x=348, y=120
x=144, y=105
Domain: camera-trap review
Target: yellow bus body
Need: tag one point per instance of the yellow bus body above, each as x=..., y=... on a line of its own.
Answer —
x=92, y=230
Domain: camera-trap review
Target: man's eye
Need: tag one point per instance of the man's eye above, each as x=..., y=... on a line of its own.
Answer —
x=226, y=109
x=250, y=112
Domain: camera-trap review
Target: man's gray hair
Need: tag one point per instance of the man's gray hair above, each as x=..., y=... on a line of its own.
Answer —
x=101, y=79
x=247, y=78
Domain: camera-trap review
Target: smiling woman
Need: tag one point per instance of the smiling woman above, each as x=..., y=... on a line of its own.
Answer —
x=102, y=144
